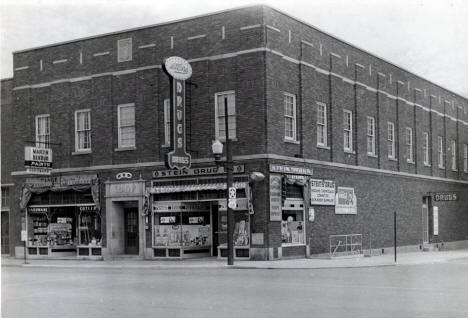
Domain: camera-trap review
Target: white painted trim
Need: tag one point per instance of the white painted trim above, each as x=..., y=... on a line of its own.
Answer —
x=370, y=69
x=196, y=37
x=359, y=65
x=81, y=57
x=321, y=49
x=382, y=74
x=40, y=65
x=347, y=61
x=124, y=72
x=289, y=36
x=335, y=55
x=223, y=33
x=172, y=42
x=417, y=89
x=60, y=61
x=101, y=53
x=21, y=68
x=145, y=46
x=272, y=28
x=247, y=27
x=400, y=82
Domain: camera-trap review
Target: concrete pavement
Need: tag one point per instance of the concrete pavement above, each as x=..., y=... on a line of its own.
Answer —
x=410, y=258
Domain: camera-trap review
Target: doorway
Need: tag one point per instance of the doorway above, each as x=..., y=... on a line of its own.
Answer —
x=425, y=219
x=131, y=230
x=5, y=233
x=214, y=228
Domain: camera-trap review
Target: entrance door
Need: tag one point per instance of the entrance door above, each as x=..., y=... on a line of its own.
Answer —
x=5, y=233
x=131, y=230
x=425, y=219
x=214, y=227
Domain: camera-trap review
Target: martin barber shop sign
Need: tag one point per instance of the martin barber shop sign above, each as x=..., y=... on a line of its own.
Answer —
x=178, y=70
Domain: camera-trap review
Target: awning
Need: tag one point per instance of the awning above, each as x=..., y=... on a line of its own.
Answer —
x=196, y=187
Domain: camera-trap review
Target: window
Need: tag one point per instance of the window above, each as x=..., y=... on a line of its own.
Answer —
x=220, y=100
x=5, y=198
x=409, y=144
x=426, y=148
x=371, y=136
x=289, y=117
x=43, y=131
x=391, y=140
x=321, y=124
x=348, y=130
x=440, y=147
x=124, y=50
x=167, y=122
x=453, y=148
x=465, y=157
x=83, y=130
x=126, y=120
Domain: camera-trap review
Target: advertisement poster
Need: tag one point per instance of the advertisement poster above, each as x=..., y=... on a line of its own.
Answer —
x=275, y=197
x=322, y=192
x=346, y=202
x=311, y=214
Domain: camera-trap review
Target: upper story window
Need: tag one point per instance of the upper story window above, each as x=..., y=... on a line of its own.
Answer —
x=126, y=119
x=453, y=148
x=426, y=149
x=222, y=99
x=124, y=50
x=167, y=122
x=440, y=151
x=290, y=132
x=5, y=198
x=391, y=140
x=43, y=131
x=83, y=130
x=321, y=124
x=409, y=144
x=348, y=130
x=371, y=136
x=465, y=157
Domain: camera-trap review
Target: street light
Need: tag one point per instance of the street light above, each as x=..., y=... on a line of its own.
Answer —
x=217, y=148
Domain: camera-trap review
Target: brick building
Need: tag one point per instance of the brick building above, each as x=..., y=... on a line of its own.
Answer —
x=342, y=137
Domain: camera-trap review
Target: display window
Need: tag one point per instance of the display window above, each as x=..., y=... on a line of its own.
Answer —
x=89, y=229
x=182, y=229
x=241, y=234
x=292, y=227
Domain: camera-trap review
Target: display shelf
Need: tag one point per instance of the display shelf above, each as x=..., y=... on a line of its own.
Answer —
x=240, y=252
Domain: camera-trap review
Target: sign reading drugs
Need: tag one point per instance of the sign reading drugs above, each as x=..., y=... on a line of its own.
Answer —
x=178, y=70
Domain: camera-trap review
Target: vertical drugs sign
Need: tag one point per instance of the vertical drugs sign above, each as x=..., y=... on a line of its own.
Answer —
x=179, y=70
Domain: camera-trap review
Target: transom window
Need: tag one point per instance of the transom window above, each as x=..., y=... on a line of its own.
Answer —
x=391, y=140
x=371, y=136
x=321, y=124
x=83, y=130
x=220, y=100
x=126, y=114
x=290, y=117
x=43, y=131
x=348, y=130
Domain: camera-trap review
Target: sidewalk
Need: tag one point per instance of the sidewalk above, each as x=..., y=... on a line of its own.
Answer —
x=412, y=258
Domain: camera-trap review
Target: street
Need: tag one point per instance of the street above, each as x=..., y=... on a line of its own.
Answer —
x=435, y=290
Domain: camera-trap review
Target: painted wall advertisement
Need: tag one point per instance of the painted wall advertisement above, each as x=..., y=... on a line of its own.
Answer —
x=322, y=192
x=275, y=197
x=346, y=202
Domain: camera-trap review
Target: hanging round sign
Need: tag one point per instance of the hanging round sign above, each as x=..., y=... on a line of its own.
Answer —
x=178, y=68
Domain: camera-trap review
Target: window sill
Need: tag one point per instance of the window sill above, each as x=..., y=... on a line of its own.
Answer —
x=410, y=162
x=323, y=147
x=441, y=167
x=125, y=148
x=81, y=152
x=165, y=146
x=455, y=170
x=224, y=140
x=427, y=165
x=372, y=155
x=291, y=141
x=392, y=159
x=351, y=152
x=292, y=244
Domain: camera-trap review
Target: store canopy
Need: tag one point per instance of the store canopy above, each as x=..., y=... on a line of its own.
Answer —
x=195, y=187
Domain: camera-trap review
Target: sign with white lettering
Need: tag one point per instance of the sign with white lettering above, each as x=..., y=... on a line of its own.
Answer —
x=195, y=171
x=38, y=160
x=275, y=197
x=322, y=192
x=435, y=219
x=311, y=214
x=290, y=169
x=346, y=201
x=124, y=189
x=159, y=207
x=38, y=210
x=60, y=181
x=87, y=208
x=446, y=196
x=123, y=175
x=178, y=70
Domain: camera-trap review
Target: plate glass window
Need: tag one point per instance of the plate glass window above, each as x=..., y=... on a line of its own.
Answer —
x=391, y=140
x=5, y=198
x=321, y=124
x=453, y=148
x=83, y=130
x=124, y=50
x=167, y=122
x=440, y=151
x=43, y=131
x=348, y=130
x=409, y=144
x=220, y=100
x=126, y=118
x=371, y=136
x=289, y=117
x=426, y=148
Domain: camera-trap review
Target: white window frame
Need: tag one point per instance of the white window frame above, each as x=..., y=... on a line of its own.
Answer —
x=391, y=140
x=167, y=122
x=119, y=126
x=77, y=149
x=322, y=126
x=227, y=93
x=465, y=157
x=39, y=135
x=119, y=43
x=293, y=117
x=453, y=149
x=347, y=131
x=409, y=145
x=440, y=151
x=426, y=157
x=371, y=135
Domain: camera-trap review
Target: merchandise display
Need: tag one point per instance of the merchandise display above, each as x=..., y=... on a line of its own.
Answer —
x=89, y=229
x=292, y=232
x=40, y=230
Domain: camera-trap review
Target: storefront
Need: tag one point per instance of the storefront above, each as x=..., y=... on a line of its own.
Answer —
x=189, y=215
x=62, y=216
